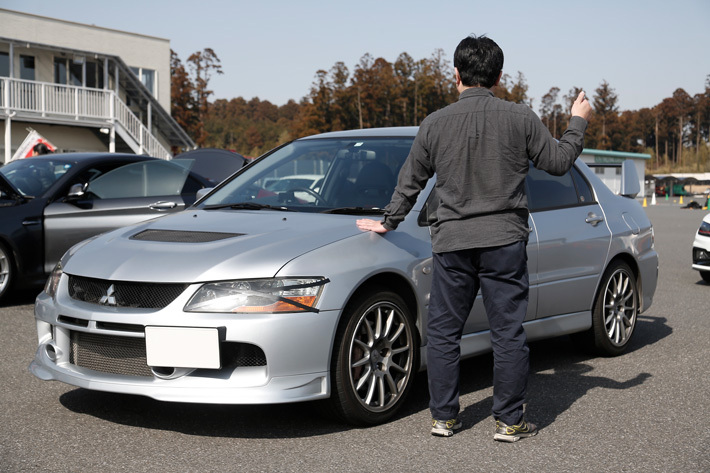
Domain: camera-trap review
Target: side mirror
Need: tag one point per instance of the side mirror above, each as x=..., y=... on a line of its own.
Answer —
x=76, y=191
x=203, y=192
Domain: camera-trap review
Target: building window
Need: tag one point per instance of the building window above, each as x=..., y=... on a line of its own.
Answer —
x=4, y=65
x=27, y=67
x=76, y=71
x=95, y=74
x=600, y=170
x=79, y=72
x=60, y=70
x=147, y=78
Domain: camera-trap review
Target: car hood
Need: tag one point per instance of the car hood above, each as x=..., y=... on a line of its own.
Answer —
x=207, y=245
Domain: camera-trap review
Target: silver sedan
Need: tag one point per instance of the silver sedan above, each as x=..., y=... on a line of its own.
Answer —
x=256, y=295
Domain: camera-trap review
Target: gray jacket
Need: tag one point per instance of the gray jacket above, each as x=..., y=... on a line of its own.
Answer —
x=480, y=148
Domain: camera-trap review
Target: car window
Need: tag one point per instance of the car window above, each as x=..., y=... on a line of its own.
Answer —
x=142, y=179
x=586, y=196
x=34, y=177
x=320, y=175
x=546, y=191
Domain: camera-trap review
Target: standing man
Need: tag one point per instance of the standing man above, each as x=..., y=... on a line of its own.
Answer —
x=480, y=148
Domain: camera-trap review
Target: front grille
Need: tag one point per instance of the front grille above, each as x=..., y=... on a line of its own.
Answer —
x=139, y=295
x=126, y=356
x=109, y=354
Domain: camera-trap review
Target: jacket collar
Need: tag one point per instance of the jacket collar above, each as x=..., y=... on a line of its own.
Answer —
x=476, y=92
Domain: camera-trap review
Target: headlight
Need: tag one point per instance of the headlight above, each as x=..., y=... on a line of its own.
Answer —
x=52, y=283
x=264, y=296
x=704, y=229
x=50, y=286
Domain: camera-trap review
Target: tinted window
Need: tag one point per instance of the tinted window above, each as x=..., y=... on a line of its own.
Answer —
x=546, y=191
x=583, y=188
x=34, y=177
x=144, y=179
x=321, y=175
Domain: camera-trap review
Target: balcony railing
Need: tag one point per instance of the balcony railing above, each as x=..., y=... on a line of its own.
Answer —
x=78, y=104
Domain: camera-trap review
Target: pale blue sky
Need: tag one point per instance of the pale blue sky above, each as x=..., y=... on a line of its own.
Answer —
x=645, y=49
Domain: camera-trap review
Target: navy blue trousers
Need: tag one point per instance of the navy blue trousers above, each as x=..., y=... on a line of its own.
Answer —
x=501, y=273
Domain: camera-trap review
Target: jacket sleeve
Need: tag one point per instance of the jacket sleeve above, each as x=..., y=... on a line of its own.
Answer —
x=547, y=153
x=413, y=176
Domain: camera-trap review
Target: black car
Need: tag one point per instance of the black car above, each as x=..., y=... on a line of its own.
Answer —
x=49, y=203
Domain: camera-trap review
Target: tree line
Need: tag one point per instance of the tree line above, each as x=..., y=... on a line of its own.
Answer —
x=675, y=132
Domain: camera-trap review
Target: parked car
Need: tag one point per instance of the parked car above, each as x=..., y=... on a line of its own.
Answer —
x=49, y=203
x=701, y=249
x=255, y=296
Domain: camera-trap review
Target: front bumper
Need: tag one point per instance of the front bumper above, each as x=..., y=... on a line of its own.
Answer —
x=295, y=352
x=701, y=253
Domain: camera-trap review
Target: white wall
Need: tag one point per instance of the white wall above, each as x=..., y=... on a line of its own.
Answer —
x=136, y=50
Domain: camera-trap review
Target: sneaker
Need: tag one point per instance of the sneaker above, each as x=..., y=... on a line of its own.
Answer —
x=445, y=428
x=513, y=433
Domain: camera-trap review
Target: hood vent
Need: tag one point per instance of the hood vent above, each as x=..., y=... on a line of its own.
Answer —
x=179, y=236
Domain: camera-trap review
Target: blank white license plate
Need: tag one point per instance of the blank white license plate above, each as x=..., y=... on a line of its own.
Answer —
x=182, y=347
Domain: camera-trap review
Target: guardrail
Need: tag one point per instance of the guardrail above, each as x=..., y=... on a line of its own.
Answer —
x=67, y=103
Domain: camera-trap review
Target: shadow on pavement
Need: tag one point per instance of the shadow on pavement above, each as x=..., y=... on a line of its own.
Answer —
x=20, y=297
x=560, y=375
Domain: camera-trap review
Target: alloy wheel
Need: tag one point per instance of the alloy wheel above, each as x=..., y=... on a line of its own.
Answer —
x=620, y=308
x=381, y=356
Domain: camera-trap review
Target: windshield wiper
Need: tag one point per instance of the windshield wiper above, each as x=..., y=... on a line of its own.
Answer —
x=247, y=206
x=354, y=210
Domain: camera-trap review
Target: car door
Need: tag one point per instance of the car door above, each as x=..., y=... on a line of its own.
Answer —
x=126, y=195
x=572, y=241
x=21, y=228
x=478, y=320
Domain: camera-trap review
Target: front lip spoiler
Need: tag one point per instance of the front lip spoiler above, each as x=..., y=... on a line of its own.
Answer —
x=278, y=390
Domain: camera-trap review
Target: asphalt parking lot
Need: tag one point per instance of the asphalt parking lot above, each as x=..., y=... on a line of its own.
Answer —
x=644, y=411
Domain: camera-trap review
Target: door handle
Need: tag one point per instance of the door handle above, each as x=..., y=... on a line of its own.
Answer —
x=163, y=205
x=593, y=219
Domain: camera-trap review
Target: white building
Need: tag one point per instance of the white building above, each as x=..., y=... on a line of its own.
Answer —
x=85, y=88
x=607, y=166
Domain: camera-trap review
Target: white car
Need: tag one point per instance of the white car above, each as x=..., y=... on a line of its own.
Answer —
x=701, y=249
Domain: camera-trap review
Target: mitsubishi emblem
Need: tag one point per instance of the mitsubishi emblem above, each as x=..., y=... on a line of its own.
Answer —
x=109, y=298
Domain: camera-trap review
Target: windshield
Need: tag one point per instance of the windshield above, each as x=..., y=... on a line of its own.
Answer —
x=33, y=177
x=319, y=175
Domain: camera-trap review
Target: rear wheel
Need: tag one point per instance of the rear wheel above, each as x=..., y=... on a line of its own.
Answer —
x=374, y=359
x=6, y=270
x=614, y=313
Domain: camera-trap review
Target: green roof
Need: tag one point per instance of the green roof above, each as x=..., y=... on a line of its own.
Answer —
x=615, y=154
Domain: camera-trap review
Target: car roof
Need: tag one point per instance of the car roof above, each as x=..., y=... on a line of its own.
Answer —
x=395, y=131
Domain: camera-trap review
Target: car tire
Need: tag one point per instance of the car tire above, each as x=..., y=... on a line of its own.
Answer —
x=375, y=358
x=6, y=271
x=614, y=313
x=706, y=276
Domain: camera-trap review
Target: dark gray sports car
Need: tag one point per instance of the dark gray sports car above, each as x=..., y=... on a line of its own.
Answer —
x=49, y=203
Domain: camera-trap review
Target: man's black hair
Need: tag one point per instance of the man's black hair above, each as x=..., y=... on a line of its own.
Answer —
x=479, y=60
